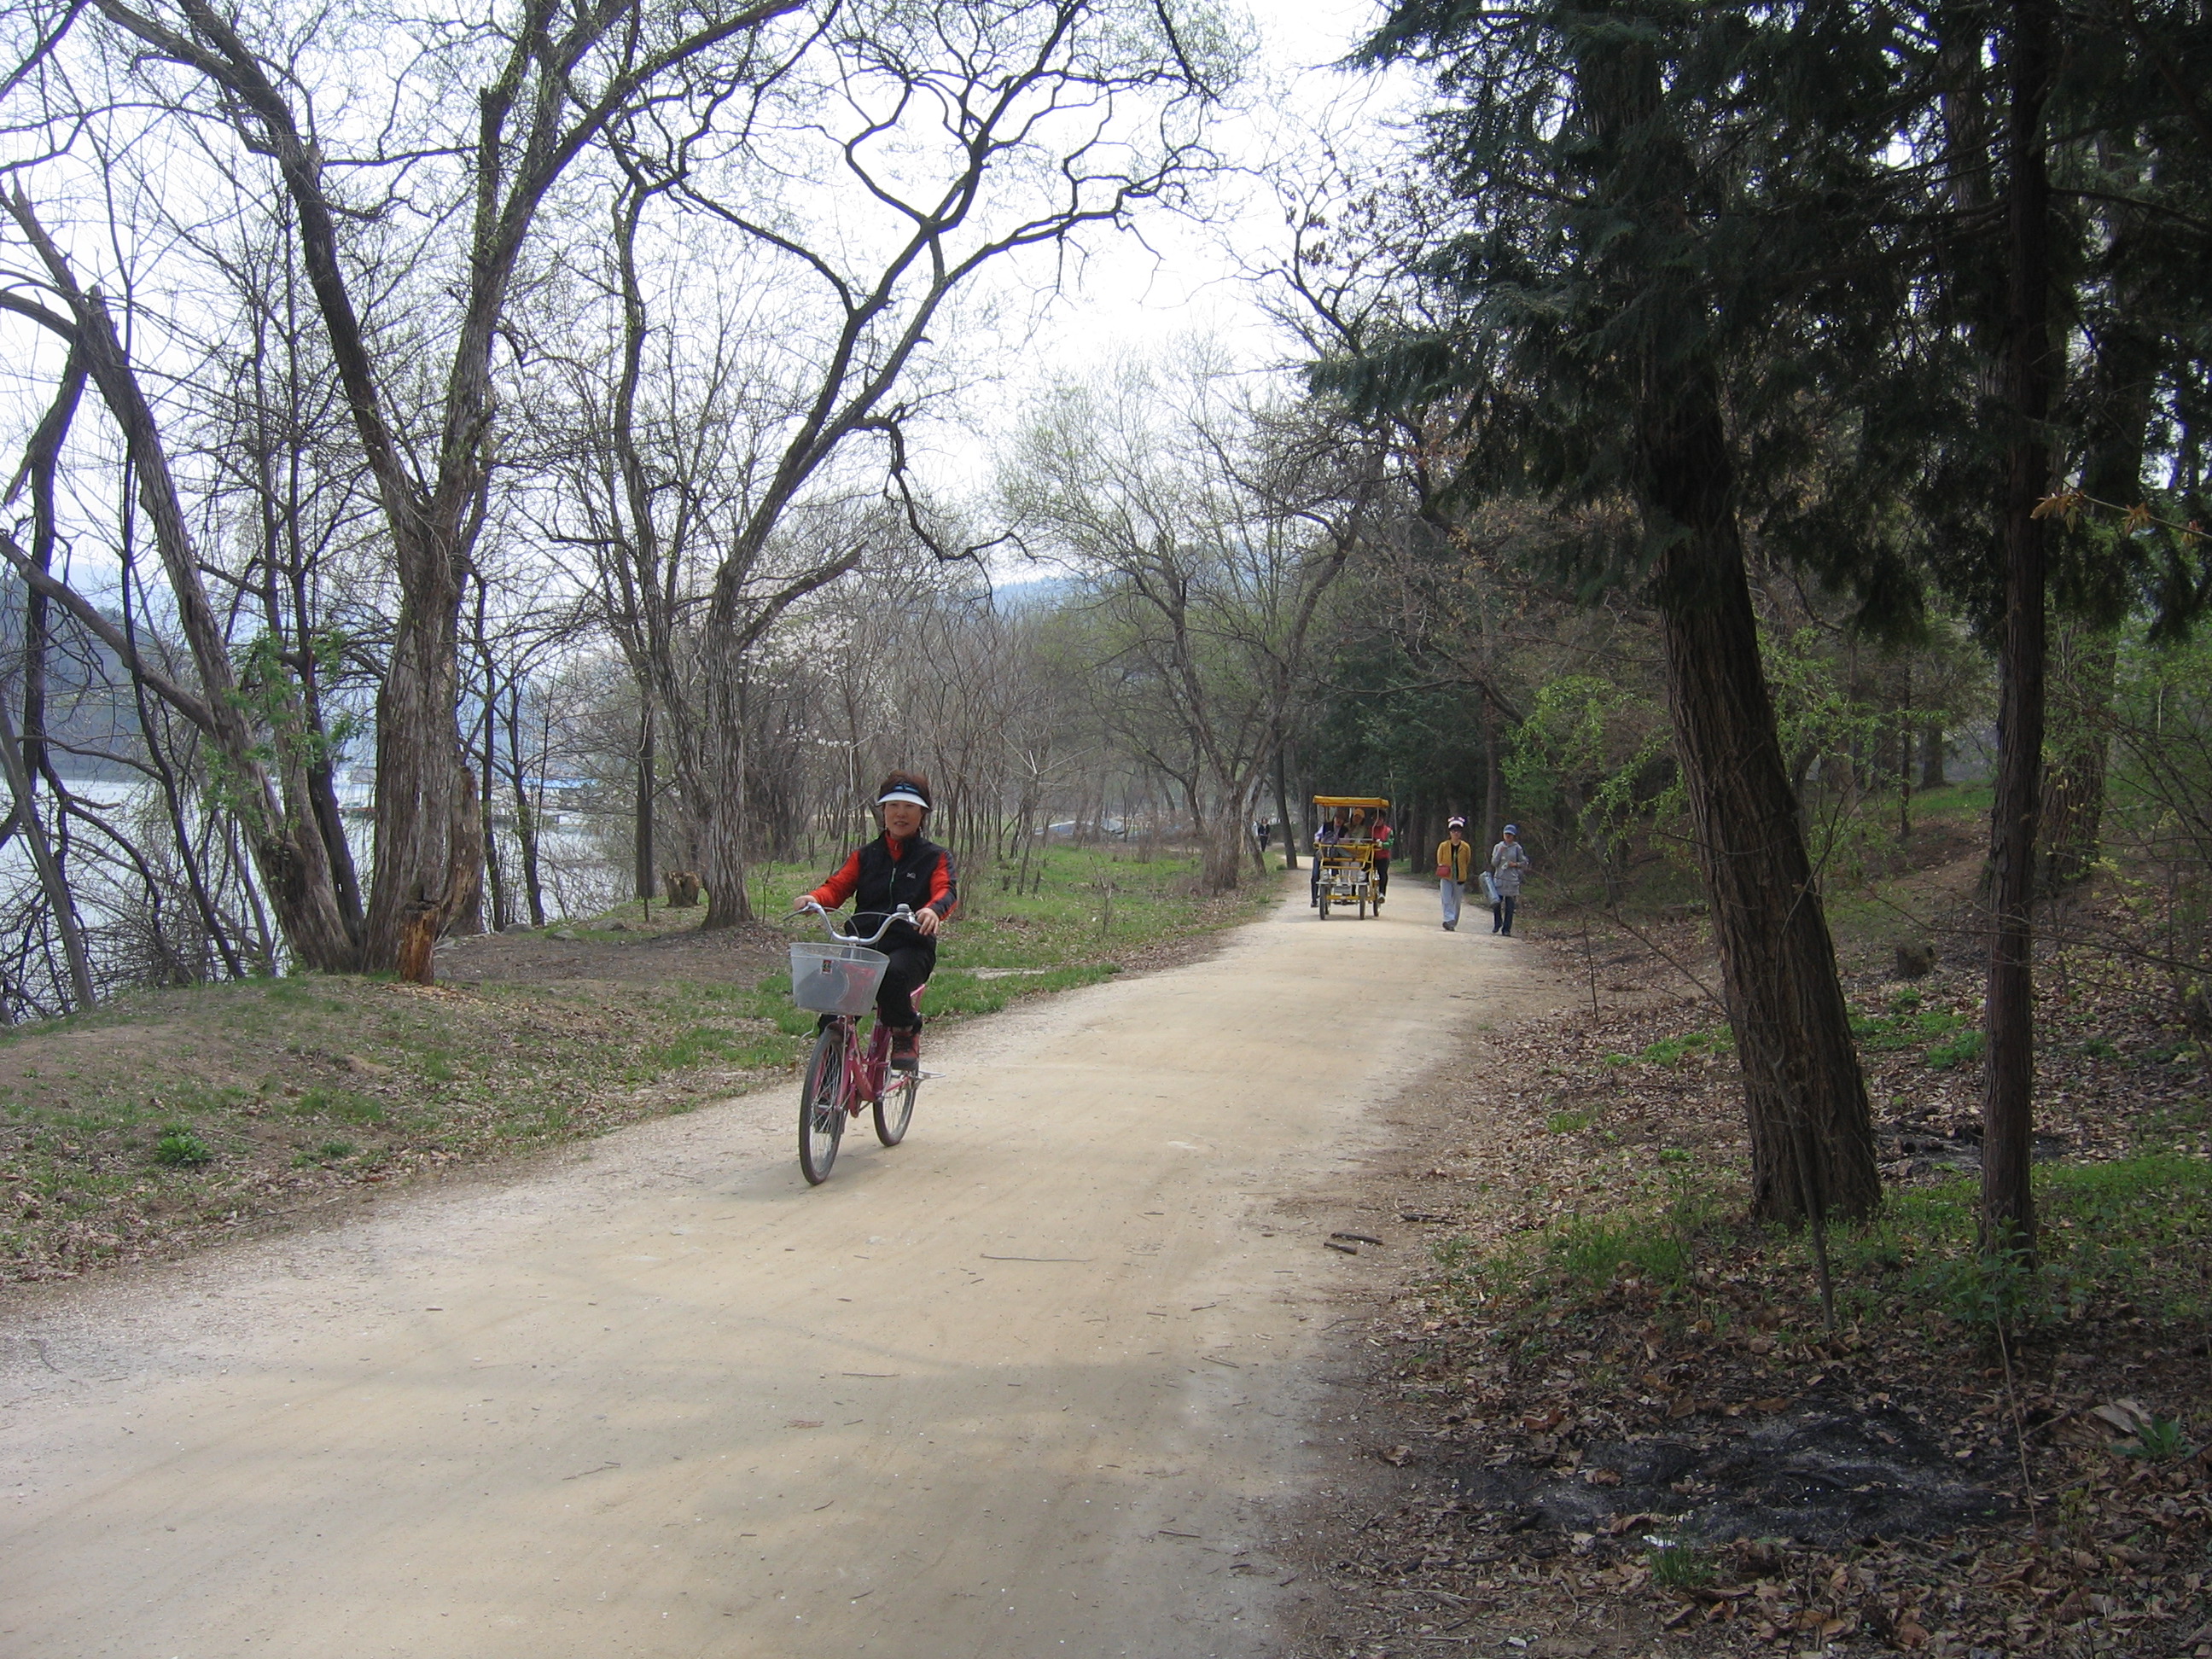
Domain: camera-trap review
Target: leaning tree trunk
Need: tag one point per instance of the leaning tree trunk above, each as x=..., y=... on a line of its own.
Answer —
x=1805, y=1101
x=2025, y=385
x=23, y=817
x=287, y=846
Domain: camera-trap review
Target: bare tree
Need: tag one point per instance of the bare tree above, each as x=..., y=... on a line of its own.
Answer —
x=550, y=84
x=287, y=844
x=1208, y=533
x=916, y=150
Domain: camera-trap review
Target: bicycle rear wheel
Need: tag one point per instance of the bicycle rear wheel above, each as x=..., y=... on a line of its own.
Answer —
x=894, y=1107
x=822, y=1104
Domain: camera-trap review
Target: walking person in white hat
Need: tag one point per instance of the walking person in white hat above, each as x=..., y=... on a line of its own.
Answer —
x=1454, y=865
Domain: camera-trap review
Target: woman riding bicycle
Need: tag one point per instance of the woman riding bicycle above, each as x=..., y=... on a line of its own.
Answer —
x=898, y=867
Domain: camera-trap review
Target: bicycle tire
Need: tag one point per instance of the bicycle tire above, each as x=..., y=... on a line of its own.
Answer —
x=894, y=1107
x=1324, y=907
x=822, y=1105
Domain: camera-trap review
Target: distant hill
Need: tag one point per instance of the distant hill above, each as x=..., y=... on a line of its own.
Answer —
x=90, y=714
x=1028, y=593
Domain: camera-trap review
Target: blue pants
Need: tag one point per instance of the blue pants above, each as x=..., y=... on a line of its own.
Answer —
x=1501, y=914
x=1449, y=890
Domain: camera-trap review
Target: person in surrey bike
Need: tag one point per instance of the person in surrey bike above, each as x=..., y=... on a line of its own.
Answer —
x=899, y=867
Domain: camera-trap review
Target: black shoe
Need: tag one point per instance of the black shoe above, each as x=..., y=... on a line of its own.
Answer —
x=906, y=1050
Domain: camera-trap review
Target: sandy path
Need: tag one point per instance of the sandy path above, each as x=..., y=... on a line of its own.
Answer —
x=1023, y=1385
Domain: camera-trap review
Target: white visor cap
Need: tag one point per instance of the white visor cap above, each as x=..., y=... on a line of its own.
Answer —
x=903, y=792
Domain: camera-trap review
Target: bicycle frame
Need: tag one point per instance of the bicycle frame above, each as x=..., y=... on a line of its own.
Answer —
x=867, y=1066
x=863, y=1083
x=863, y=1076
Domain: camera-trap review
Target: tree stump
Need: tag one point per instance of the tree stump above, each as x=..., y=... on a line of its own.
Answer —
x=418, y=943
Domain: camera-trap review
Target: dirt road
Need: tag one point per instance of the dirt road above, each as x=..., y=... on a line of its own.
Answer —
x=1032, y=1384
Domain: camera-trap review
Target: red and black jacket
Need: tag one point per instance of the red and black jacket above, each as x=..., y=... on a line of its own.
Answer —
x=885, y=874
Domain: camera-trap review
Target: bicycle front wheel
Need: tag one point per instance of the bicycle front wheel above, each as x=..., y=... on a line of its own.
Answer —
x=822, y=1104
x=895, y=1108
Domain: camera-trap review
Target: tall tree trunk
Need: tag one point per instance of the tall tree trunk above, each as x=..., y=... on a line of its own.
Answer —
x=721, y=807
x=1283, y=810
x=2025, y=377
x=1805, y=1101
x=41, y=459
x=2123, y=385
x=525, y=810
x=641, y=831
x=502, y=912
x=1933, y=746
x=428, y=920
x=424, y=876
x=1221, y=855
x=2071, y=815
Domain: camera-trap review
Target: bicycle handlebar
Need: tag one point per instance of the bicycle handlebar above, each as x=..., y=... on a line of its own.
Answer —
x=904, y=913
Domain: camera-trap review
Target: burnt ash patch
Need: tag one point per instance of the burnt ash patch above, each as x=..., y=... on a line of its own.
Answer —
x=1826, y=1475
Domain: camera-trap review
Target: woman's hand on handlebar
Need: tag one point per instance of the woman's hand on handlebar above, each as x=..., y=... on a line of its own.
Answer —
x=926, y=922
x=806, y=902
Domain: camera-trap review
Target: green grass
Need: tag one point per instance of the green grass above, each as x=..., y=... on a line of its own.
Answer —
x=179, y=1146
x=1658, y=1236
x=1673, y=1050
x=1944, y=1037
x=2132, y=1237
x=1681, y=1567
x=1963, y=1049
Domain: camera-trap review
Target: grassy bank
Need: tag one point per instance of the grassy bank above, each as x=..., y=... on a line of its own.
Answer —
x=182, y=1115
x=1617, y=1399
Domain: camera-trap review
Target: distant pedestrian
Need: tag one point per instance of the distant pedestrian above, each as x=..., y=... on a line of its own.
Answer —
x=1261, y=831
x=1328, y=835
x=1454, y=865
x=1384, y=836
x=1509, y=862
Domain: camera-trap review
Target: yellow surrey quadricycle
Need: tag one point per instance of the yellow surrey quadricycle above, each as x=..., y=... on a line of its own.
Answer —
x=1344, y=854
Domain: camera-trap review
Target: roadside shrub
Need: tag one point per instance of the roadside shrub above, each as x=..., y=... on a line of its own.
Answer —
x=179, y=1147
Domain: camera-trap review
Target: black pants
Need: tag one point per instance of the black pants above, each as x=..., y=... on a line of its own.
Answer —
x=1501, y=914
x=1381, y=878
x=912, y=964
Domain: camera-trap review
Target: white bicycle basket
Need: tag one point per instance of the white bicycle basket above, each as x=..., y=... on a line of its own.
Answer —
x=836, y=979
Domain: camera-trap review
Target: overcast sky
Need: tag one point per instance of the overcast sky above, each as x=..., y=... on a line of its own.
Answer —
x=1127, y=295
x=1176, y=276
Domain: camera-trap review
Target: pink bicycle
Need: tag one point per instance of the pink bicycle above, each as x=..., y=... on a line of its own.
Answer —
x=838, y=981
